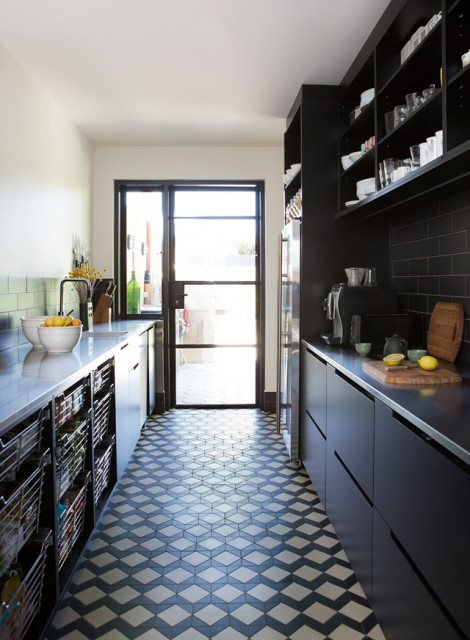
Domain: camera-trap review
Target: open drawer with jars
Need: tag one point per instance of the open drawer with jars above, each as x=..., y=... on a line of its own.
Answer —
x=71, y=516
x=71, y=444
x=71, y=402
x=103, y=456
x=22, y=468
x=103, y=390
x=22, y=588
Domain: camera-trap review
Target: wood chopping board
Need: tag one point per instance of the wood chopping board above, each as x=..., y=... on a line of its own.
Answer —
x=411, y=376
x=446, y=330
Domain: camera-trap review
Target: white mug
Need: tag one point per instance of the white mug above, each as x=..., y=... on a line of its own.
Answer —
x=439, y=145
x=423, y=154
x=431, y=148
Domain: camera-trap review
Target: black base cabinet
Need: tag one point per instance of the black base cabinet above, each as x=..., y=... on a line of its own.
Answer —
x=313, y=455
x=403, y=605
x=398, y=501
x=424, y=496
x=351, y=515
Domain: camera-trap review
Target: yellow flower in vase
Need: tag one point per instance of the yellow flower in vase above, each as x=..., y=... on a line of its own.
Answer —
x=92, y=276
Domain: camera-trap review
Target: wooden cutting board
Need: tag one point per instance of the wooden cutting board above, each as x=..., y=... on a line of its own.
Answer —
x=412, y=376
x=446, y=330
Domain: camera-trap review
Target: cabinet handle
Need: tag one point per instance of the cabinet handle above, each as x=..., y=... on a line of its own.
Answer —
x=124, y=346
x=135, y=367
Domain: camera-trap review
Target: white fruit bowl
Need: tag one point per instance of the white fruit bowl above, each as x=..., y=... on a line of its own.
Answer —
x=30, y=330
x=59, y=339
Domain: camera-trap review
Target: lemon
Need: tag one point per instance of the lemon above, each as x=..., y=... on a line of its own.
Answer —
x=58, y=321
x=67, y=321
x=49, y=322
x=394, y=359
x=428, y=362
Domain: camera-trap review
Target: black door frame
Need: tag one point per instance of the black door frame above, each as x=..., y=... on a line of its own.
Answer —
x=167, y=187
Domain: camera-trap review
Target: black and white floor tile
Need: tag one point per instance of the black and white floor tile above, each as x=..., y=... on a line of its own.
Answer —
x=213, y=532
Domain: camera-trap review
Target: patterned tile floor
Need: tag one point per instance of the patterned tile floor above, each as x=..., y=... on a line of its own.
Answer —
x=213, y=533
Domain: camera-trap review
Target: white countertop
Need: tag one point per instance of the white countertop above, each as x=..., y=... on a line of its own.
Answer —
x=30, y=377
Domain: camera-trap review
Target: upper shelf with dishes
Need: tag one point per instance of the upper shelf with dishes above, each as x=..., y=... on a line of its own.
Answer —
x=405, y=112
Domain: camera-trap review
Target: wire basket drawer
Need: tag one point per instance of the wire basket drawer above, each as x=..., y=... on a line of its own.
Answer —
x=71, y=516
x=69, y=404
x=18, y=444
x=101, y=411
x=103, y=459
x=20, y=503
x=102, y=377
x=24, y=603
x=70, y=451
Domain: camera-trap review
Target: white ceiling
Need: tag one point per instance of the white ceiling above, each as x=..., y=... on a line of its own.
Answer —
x=184, y=72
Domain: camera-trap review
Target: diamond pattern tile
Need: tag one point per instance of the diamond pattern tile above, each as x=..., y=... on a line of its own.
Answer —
x=213, y=533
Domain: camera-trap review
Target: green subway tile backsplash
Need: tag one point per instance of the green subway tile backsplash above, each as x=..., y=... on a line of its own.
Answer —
x=22, y=296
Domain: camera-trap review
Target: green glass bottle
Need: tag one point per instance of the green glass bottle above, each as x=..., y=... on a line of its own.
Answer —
x=133, y=293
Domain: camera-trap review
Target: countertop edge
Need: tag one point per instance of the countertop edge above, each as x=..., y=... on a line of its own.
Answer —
x=90, y=352
x=334, y=355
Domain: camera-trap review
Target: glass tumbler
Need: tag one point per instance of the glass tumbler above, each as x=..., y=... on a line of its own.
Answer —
x=400, y=113
x=370, y=279
x=389, y=166
x=415, y=157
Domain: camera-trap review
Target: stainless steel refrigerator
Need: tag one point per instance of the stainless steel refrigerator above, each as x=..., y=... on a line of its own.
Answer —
x=288, y=353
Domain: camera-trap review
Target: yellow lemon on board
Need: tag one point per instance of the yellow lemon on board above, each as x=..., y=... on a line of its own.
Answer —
x=393, y=359
x=428, y=363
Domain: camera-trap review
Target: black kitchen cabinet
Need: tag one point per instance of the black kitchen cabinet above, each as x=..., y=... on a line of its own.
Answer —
x=351, y=515
x=350, y=419
x=314, y=388
x=423, y=495
x=313, y=454
x=401, y=600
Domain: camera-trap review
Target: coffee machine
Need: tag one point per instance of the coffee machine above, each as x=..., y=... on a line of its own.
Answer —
x=343, y=301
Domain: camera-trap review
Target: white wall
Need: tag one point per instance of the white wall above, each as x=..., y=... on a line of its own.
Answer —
x=194, y=163
x=45, y=178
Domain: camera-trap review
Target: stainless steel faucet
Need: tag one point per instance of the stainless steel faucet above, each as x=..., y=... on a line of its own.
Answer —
x=61, y=291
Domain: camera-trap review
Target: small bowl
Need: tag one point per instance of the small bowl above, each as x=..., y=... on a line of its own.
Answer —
x=60, y=339
x=346, y=162
x=415, y=354
x=355, y=155
x=30, y=330
x=367, y=96
x=363, y=348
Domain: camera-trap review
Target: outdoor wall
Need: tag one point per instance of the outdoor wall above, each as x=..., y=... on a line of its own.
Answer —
x=194, y=163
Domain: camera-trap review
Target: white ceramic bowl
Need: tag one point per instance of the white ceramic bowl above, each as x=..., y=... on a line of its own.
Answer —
x=60, y=339
x=362, y=185
x=355, y=155
x=30, y=329
x=346, y=162
x=296, y=167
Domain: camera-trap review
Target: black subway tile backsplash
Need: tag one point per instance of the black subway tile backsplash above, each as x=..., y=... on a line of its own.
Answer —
x=440, y=226
x=453, y=243
x=428, y=247
x=433, y=266
x=441, y=265
x=460, y=220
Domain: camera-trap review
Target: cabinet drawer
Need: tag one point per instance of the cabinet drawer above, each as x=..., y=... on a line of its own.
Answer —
x=351, y=515
x=313, y=447
x=314, y=388
x=401, y=602
x=350, y=419
x=424, y=497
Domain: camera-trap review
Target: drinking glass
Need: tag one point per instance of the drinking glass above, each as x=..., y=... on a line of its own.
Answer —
x=413, y=101
x=389, y=166
x=389, y=121
x=400, y=113
x=370, y=279
x=415, y=157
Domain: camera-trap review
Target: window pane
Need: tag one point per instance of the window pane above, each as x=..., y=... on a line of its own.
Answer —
x=215, y=203
x=216, y=376
x=217, y=314
x=215, y=250
x=144, y=251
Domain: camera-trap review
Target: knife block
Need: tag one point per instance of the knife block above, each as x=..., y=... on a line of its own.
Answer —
x=102, y=312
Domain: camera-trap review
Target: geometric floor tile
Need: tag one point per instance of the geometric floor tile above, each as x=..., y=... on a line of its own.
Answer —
x=213, y=533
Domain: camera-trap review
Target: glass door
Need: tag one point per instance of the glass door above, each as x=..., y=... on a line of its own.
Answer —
x=214, y=296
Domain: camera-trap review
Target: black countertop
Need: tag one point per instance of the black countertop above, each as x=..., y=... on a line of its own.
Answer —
x=440, y=411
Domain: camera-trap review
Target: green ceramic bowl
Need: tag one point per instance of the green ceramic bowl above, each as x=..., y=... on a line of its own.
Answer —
x=415, y=354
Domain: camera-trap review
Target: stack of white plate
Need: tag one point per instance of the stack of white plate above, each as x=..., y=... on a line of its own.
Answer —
x=366, y=97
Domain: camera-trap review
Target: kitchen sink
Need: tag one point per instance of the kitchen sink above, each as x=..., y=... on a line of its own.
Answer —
x=103, y=334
